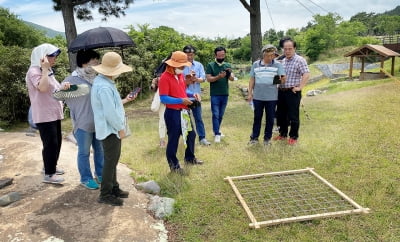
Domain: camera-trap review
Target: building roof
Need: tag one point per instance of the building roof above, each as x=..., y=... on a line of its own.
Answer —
x=372, y=50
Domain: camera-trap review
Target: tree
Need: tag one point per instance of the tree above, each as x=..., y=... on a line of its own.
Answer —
x=83, y=11
x=14, y=32
x=255, y=27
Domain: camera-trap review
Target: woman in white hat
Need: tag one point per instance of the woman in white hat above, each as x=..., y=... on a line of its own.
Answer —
x=174, y=95
x=109, y=119
x=47, y=112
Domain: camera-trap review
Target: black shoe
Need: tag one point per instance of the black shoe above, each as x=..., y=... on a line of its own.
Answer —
x=120, y=193
x=111, y=200
x=195, y=161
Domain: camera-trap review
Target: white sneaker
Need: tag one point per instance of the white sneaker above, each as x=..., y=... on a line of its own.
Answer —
x=217, y=139
x=55, y=179
x=220, y=134
x=204, y=142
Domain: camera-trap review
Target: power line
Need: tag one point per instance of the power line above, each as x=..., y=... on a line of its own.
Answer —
x=270, y=15
x=305, y=7
x=318, y=6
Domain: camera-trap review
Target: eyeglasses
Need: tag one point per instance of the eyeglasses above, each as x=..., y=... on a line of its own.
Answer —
x=189, y=50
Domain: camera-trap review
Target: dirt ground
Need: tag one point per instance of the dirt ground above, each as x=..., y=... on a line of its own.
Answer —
x=67, y=212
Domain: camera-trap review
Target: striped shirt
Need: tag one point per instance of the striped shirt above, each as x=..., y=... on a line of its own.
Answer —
x=295, y=68
x=264, y=89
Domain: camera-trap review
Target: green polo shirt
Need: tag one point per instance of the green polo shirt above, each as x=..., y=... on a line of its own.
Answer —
x=220, y=86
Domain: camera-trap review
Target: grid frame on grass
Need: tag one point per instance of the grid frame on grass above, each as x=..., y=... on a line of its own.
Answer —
x=289, y=196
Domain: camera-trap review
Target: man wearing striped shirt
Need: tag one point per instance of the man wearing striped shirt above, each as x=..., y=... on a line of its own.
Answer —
x=289, y=93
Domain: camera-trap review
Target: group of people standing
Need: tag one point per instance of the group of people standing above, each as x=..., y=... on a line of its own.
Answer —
x=99, y=118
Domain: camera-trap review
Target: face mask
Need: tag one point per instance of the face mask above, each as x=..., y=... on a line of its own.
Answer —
x=89, y=70
x=178, y=71
x=220, y=60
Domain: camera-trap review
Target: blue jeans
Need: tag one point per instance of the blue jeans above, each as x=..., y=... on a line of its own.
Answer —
x=199, y=122
x=218, y=105
x=174, y=131
x=85, y=140
x=259, y=107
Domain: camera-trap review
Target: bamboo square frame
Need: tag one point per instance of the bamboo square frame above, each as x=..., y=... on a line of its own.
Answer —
x=279, y=193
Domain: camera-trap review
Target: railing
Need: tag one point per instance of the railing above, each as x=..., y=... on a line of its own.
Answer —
x=391, y=39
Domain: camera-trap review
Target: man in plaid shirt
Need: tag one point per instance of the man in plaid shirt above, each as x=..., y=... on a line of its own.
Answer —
x=289, y=93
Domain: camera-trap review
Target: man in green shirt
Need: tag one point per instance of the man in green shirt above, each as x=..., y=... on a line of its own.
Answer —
x=218, y=73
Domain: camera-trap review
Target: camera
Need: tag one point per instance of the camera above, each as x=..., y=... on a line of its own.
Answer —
x=195, y=104
x=228, y=72
x=276, y=80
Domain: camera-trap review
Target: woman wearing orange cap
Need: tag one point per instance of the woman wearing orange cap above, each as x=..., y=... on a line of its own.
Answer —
x=174, y=95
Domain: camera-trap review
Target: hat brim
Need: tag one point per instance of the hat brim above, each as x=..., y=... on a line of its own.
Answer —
x=107, y=71
x=173, y=63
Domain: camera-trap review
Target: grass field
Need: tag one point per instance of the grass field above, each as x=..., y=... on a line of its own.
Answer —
x=351, y=139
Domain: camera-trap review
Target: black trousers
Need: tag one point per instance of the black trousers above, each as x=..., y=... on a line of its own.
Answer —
x=288, y=111
x=50, y=134
x=112, y=153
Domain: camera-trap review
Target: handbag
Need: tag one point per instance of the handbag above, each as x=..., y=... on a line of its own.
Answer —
x=155, y=104
x=126, y=127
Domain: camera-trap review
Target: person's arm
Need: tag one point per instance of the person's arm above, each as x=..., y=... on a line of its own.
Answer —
x=251, y=88
x=202, y=75
x=304, y=80
x=43, y=85
x=173, y=100
x=304, y=77
x=211, y=78
x=112, y=116
x=170, y=100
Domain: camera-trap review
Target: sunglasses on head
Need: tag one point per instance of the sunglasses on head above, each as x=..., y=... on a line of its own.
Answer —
x=269, y=50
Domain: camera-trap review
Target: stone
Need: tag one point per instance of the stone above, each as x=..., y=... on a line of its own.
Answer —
x=149, y=187
x=5, y=182
x=9, y=198
x=161, y=206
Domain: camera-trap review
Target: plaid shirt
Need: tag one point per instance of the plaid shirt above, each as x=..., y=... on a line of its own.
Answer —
x=295, y=68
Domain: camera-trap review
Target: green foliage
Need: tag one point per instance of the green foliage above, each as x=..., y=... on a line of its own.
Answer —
x=272, y=36
x=387, y=23
x=152, y=46
x=347, y=33
x=14, y=31
x=14, y=63
x=243, y=53
x=329, y=32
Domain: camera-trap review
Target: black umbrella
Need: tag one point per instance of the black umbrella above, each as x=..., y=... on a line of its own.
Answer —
x=99, y=38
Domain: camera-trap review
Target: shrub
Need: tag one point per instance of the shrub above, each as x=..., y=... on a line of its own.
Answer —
x=14, y=95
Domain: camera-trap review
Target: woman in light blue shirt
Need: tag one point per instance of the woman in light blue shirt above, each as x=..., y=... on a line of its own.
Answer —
x=109, y=120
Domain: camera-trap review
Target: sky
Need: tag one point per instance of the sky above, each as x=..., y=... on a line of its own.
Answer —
x=203, y=18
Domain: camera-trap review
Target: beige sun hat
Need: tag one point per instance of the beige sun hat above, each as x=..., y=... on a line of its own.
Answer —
x=111, y=65
x=178, y=59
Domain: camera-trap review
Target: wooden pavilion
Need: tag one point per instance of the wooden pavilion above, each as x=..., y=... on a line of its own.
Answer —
x=371, y=51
